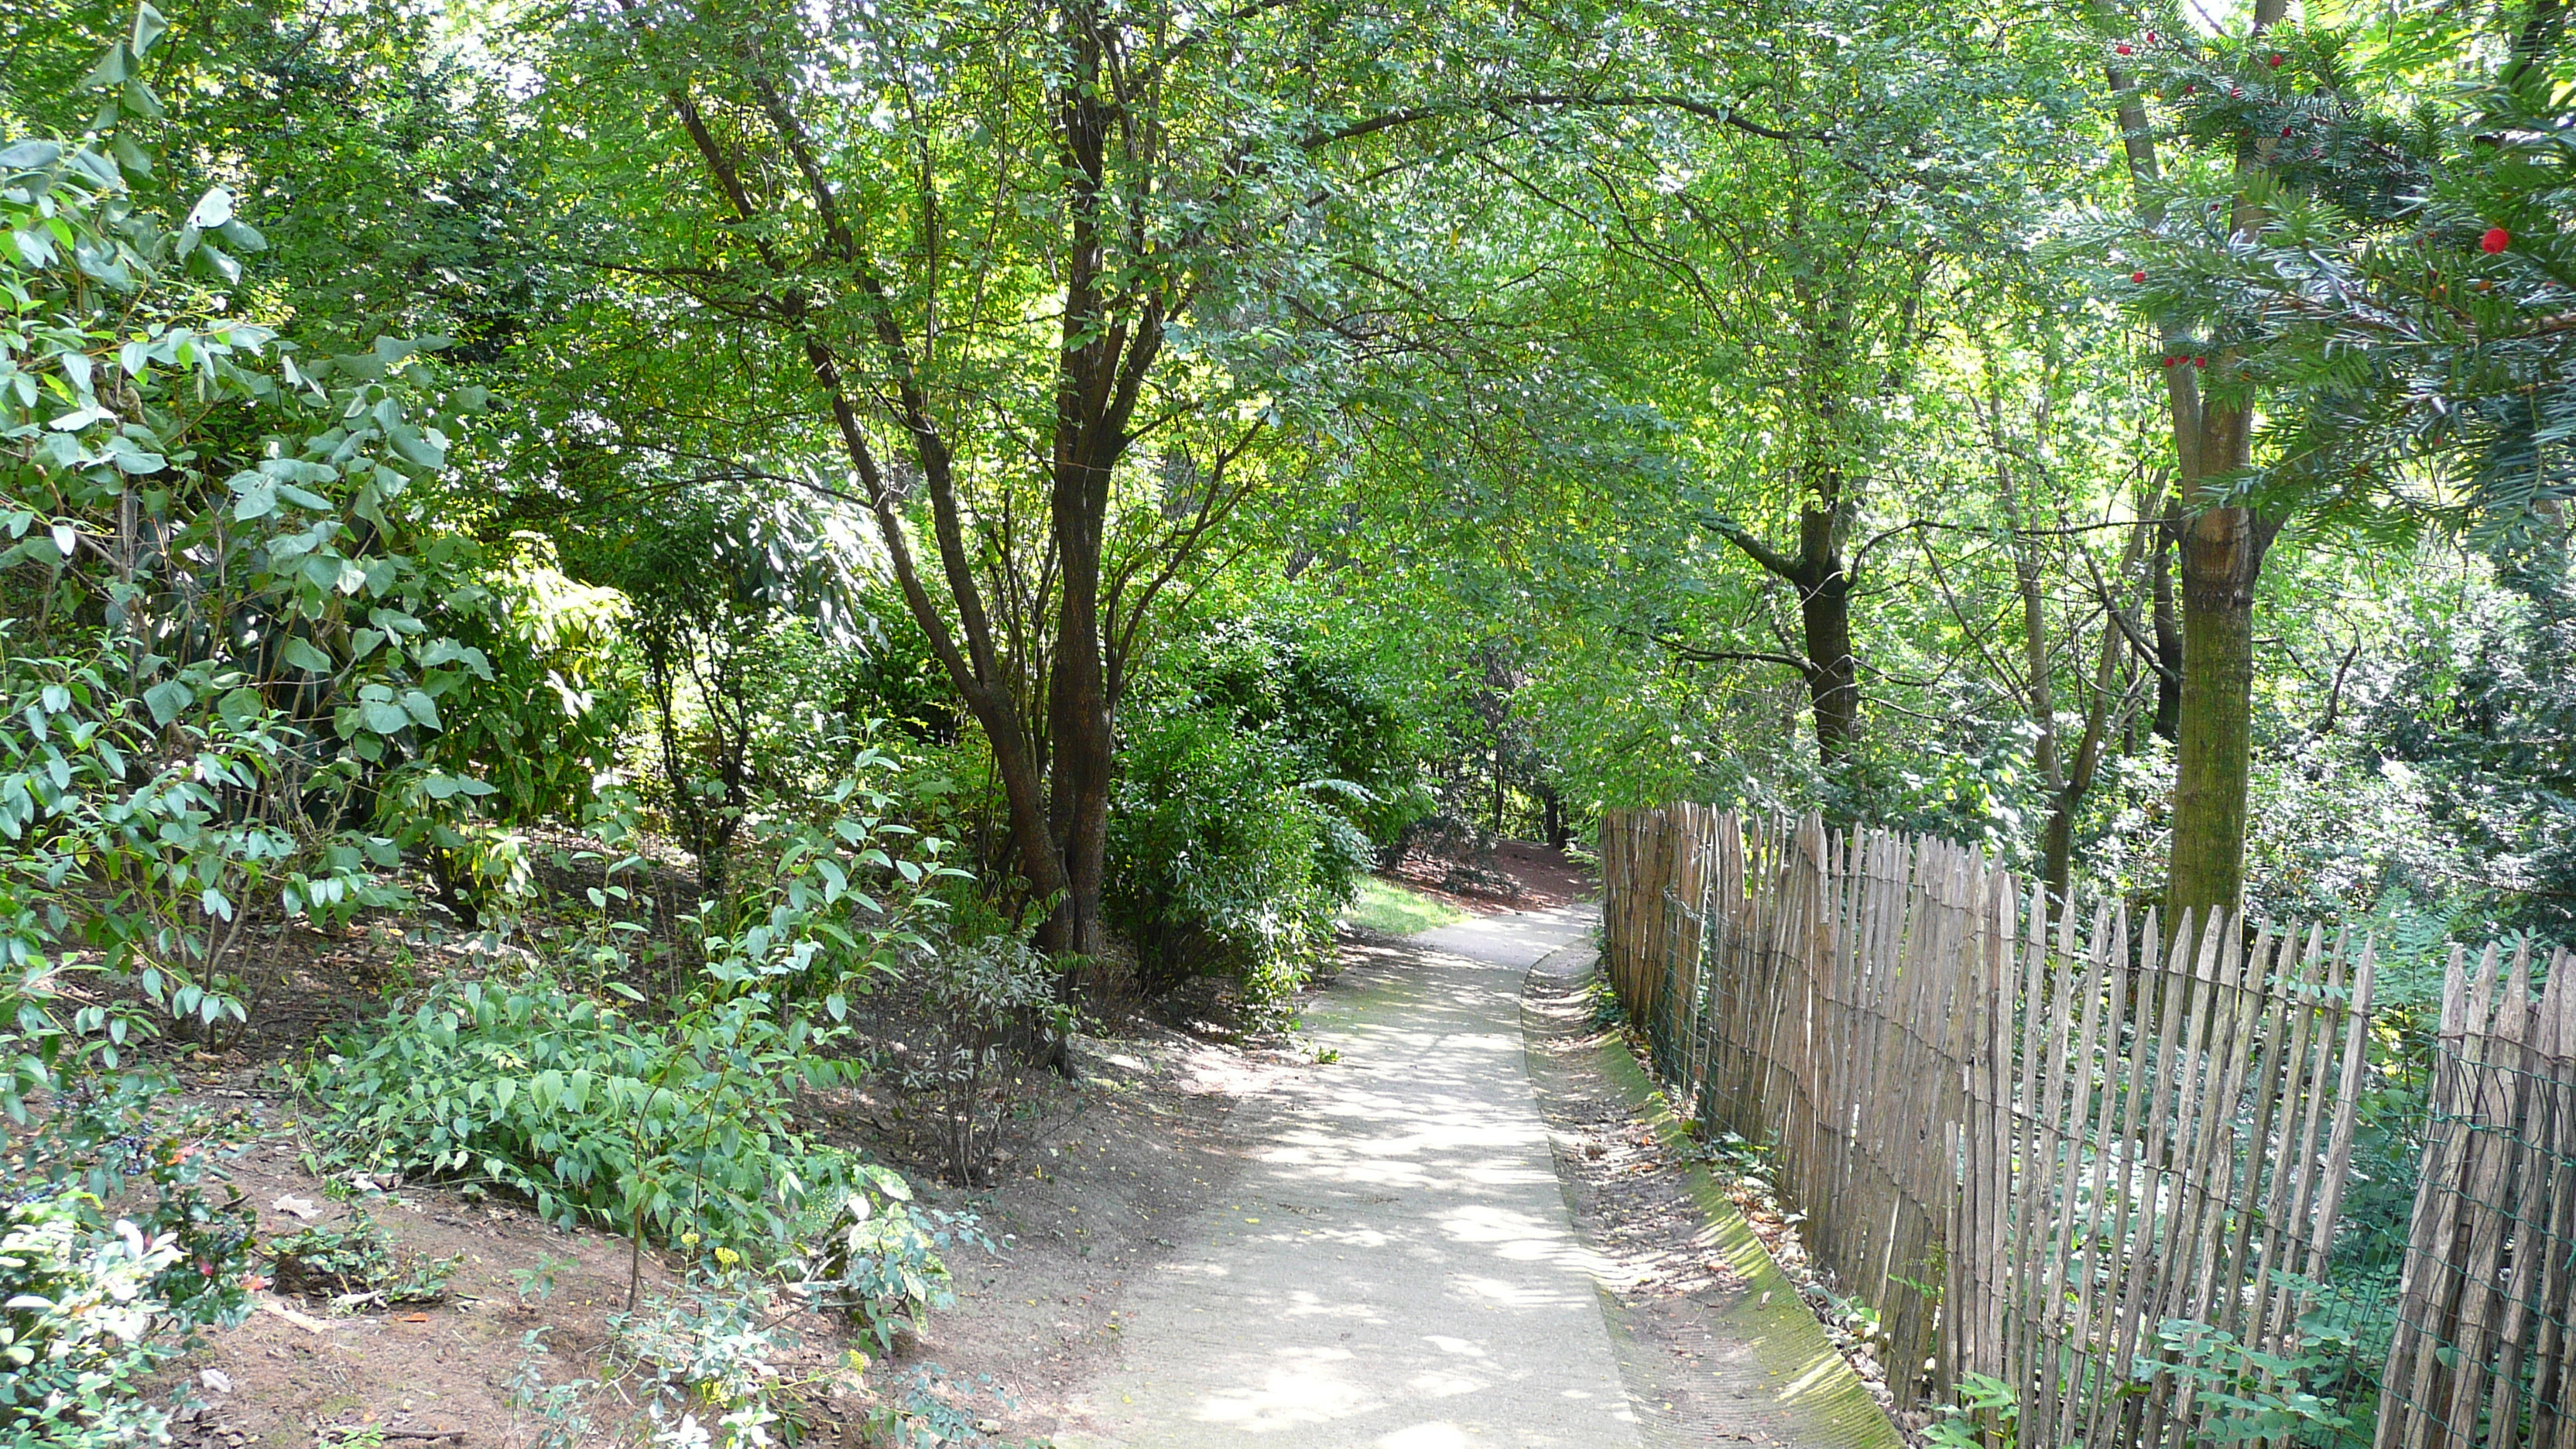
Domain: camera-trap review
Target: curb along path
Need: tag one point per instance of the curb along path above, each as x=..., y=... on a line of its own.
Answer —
x=1716, y=1346
x=1396, y=1268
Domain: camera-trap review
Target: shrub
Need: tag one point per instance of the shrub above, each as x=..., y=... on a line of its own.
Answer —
x=1220, y=863
x=981, y=993
x=356, y=1261
x=589, y=1112
x=708, y=1361
x=881, y=1262
x=96, y=1301
x=656, y=1124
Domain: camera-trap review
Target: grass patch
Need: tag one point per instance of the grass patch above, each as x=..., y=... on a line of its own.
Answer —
x=1382, y=905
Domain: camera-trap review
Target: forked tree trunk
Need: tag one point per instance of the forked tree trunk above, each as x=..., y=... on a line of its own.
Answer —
x=2221, y=557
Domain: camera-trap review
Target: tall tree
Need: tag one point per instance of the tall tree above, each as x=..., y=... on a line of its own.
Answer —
x=2222, y=540
x=1042, y=278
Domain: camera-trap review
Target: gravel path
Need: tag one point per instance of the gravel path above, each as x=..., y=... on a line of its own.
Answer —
x=1396, y=1268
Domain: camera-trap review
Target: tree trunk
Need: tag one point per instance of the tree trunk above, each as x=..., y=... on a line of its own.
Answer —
x=1833, y=670
x=2221, y=552
x=2222, y=556
x=2168, y=660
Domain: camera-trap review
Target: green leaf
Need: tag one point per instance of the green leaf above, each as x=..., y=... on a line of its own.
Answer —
x=148, y=26
x=444, y=786
x=258, y=497
x=303, y=655
x=212, y=209
x=112, y=68
x=167, y=700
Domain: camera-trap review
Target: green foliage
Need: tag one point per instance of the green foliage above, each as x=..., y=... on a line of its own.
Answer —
x=710, y=1361
x=1259, y=770
x=98, y=1298
x=657, y=1123
x=1985, y=1415
x=589, y=1112
x=987, y=992
x=1222, y=861
x=880, y=1262
x=72, y=1345
x=2245, y=1394
x=355, y=1261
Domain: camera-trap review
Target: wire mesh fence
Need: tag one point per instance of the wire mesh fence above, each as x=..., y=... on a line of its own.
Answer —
x=2098, y=1163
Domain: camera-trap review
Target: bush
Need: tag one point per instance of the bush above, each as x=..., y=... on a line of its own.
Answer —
x=981, y=993
x=1221, y=861
x=663, y=1124
x=708, y=1359
x=356, y=1261
x=97, y=1299
x=1262, y=765
x=657, y=1129
x=881, y=1262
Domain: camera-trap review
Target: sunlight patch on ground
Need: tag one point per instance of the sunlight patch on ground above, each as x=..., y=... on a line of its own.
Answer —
x=1382, y=905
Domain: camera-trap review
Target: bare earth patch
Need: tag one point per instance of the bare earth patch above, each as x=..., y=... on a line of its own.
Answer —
x=1088, y=1174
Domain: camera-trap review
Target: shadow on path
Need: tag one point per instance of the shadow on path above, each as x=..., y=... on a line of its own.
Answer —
x=1396, y=1268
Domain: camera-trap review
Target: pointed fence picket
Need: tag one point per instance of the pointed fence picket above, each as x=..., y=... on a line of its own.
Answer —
x=2481, y=1352
x=2097, y=1158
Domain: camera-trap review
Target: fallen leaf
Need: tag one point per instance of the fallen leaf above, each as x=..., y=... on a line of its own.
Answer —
x=415, y=1318
x=301, y=1208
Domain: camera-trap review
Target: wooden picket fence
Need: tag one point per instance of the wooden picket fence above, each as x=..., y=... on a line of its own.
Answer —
x=2034, y=1145
x=2483, y=1345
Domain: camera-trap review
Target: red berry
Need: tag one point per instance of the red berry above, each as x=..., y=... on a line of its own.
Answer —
x=2151, y=37
x=2285, y=131
x=2122, y=47
x=2170, y=361
x=2496, y=240
x=2200, y=362
x=2138, y=277
x=2274, y=62
x=2236, y=92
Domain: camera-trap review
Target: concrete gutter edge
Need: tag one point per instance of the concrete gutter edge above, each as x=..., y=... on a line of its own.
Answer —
x=1769, y=1317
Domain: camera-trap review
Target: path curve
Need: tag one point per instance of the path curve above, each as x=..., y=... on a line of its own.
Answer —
x=1396, y=1268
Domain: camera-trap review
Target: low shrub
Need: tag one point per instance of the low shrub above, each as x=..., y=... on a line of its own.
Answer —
x=881, y=1262
x=708, y=1360
x=355, y=1261
x=983, y=992
x=588, y=1111
x=656, y=1123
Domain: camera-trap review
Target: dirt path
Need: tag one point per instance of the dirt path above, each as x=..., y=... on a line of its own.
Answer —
x=1395, y=1267
x=1715, y=1344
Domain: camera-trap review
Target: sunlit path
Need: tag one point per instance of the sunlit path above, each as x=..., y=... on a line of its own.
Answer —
x=1398, y=1269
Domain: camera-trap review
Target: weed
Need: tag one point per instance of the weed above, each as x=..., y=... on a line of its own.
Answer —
x=560, y=1412
x=355, y=1262
x=537, y=1284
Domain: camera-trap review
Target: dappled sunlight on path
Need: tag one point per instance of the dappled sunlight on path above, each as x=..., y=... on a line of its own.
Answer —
x=1397, y=1269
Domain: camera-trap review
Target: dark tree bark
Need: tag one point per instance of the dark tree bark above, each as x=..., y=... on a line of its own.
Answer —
x=2168, y=656
x=1822, y=579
